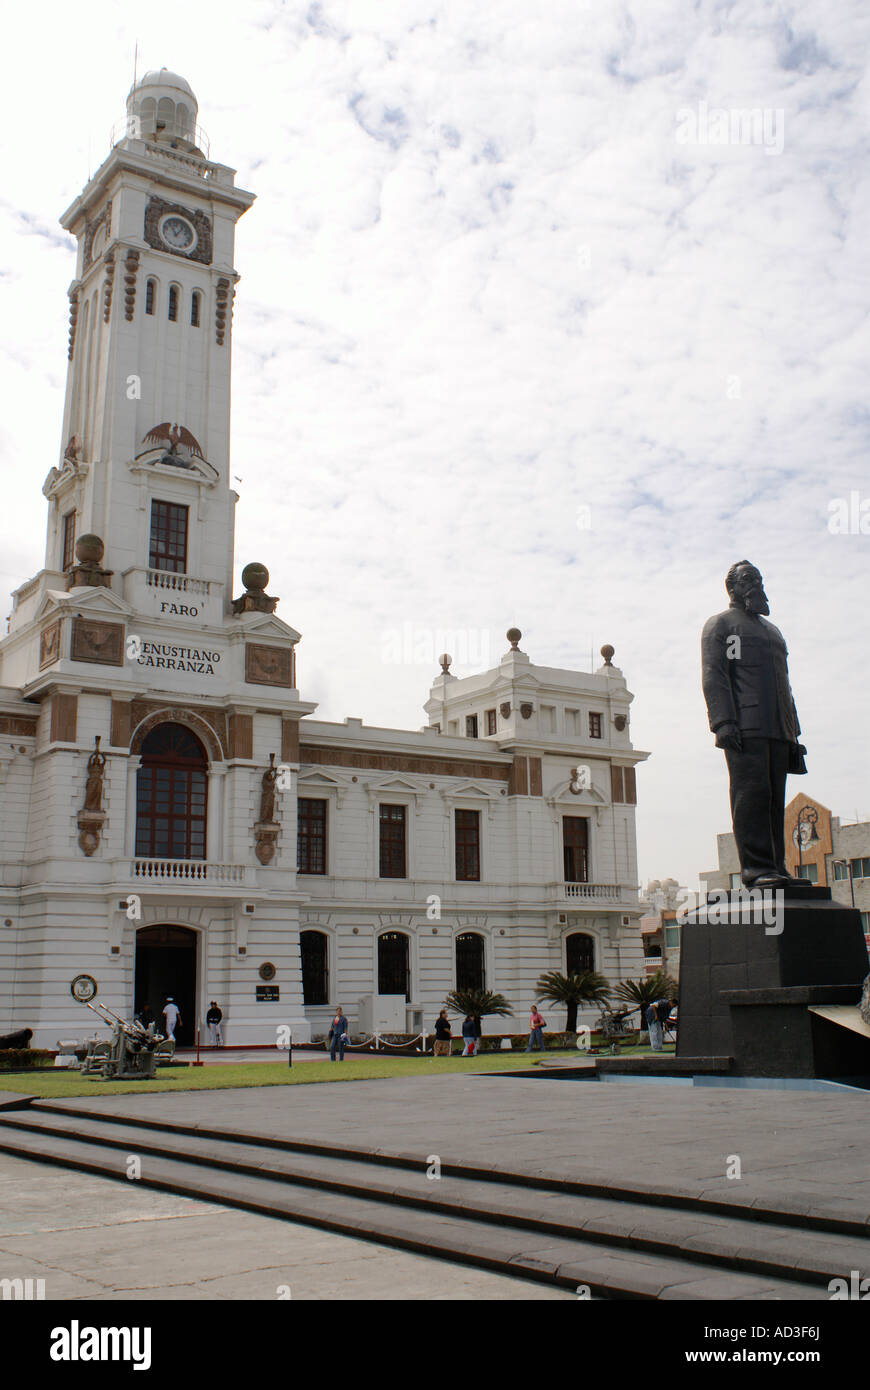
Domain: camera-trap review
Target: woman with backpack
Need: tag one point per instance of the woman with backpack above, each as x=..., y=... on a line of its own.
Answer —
x=536, y=1029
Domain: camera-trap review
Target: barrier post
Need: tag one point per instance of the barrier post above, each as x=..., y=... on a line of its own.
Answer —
x=197, y=1063
x=290, y=1050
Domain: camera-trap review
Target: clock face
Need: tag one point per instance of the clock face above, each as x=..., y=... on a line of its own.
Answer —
x=177, y=233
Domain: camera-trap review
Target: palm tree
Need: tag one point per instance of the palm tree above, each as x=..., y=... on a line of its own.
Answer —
x=642, y=992
x=583, y=987
x=477, y=1003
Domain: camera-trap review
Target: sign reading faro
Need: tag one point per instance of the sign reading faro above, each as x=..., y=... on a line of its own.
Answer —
x=179, y=658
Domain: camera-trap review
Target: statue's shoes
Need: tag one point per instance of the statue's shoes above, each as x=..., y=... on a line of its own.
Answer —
x=772, y=880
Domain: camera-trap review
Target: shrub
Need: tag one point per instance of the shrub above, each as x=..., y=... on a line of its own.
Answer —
x=24, y=1058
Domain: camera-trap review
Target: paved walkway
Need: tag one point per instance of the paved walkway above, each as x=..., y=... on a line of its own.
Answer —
x=806, y=1148
x=89, y=1238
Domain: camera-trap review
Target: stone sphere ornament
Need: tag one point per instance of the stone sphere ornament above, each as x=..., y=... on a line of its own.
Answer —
x=89, y=550
x=255, y=577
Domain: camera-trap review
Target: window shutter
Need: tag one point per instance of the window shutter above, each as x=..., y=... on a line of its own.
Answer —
x=615, y=783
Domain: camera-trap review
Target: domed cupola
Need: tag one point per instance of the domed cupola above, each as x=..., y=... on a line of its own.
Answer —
x=161, y=106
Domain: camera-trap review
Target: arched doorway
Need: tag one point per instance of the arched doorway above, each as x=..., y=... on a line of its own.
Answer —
x=470, y=973
x=394, y=967
x=166, y=966
x=315, y=970
x=579, y=953
x=171, y=795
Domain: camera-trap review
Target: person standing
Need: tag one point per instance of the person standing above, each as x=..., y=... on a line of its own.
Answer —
x=469, y=1035
x=171, y=1017
x=338, y=1035
x=442, y=1035
x=213, y=1018
x=536, y=1030
x=657, y=1015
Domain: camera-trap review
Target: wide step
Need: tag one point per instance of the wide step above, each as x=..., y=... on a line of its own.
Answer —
x=647, y=1251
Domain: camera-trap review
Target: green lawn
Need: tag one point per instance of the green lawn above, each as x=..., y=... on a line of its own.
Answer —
x=61, y=1083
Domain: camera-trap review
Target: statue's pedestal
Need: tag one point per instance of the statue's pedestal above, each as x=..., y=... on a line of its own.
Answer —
x=750, y=975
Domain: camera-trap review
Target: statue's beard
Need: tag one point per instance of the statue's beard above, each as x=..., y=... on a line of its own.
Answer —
x=756, y=602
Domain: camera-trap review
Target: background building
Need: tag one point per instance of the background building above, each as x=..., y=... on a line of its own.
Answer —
x=819, y=848
x=661, y=934
x=173, y=821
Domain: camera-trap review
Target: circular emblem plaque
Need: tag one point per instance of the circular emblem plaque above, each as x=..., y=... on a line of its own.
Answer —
x=83, y=988
x=267, y=970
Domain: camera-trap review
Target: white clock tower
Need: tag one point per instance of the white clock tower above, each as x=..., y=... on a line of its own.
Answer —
x=149, y=719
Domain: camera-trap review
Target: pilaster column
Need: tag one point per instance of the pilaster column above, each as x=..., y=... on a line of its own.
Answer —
x=214, y=836
x=133, y=764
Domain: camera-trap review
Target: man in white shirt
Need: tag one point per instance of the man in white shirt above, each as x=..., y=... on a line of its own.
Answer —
x=171, y=1016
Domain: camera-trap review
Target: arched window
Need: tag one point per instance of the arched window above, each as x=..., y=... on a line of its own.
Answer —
x=183, y=122
x=148, y=116
x=150, y=293
x=195, y=301
x=165, y=114
x=171, y=790
x=470, y=961
x=579, y=953
x=315, y=970
x=173, y=303
x=394, y=969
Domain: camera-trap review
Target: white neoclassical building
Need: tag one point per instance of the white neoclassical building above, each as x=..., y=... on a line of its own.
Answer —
x=172, y=819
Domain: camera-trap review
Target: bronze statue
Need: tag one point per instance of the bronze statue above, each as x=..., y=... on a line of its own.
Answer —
x=267, y=796
x=752, y=713
x=94, y=785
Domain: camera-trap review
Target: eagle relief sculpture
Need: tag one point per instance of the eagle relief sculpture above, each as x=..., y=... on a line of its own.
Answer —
x=267, y=828
x=174, y=434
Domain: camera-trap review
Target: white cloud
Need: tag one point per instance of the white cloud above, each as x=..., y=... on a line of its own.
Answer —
x=483, y=285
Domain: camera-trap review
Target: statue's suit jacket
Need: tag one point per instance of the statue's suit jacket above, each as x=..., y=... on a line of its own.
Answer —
x=750, y=688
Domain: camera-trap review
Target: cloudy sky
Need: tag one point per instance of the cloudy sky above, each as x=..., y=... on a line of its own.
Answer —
x=526, y=334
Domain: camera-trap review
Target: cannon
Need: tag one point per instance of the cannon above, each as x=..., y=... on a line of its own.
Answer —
x=131, y=1055
x=613, y=1025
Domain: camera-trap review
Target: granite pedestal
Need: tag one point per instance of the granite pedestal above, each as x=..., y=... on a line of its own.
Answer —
x=747, y=984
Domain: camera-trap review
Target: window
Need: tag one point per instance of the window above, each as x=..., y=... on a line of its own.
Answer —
x=572, y=721
x=313, y=946
x=168, y=550
x=195, y=300
x=490, y=721
x=736, y=882
x=808, y=871
x=150, y=288
x=865, y=922
x=575, y=842
x=467, y=846
x=173, y=303
x=69, y=540
x=579, y=953
x=311, y=838
x=860, y=868
x=841, y=870
x=622, y=785
x=171, y=791
x=548, y=719
x=595, y=726
x=471, y=726
x=392, y=847
x=394, y=971
x=470, y=954
x=672, y=937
